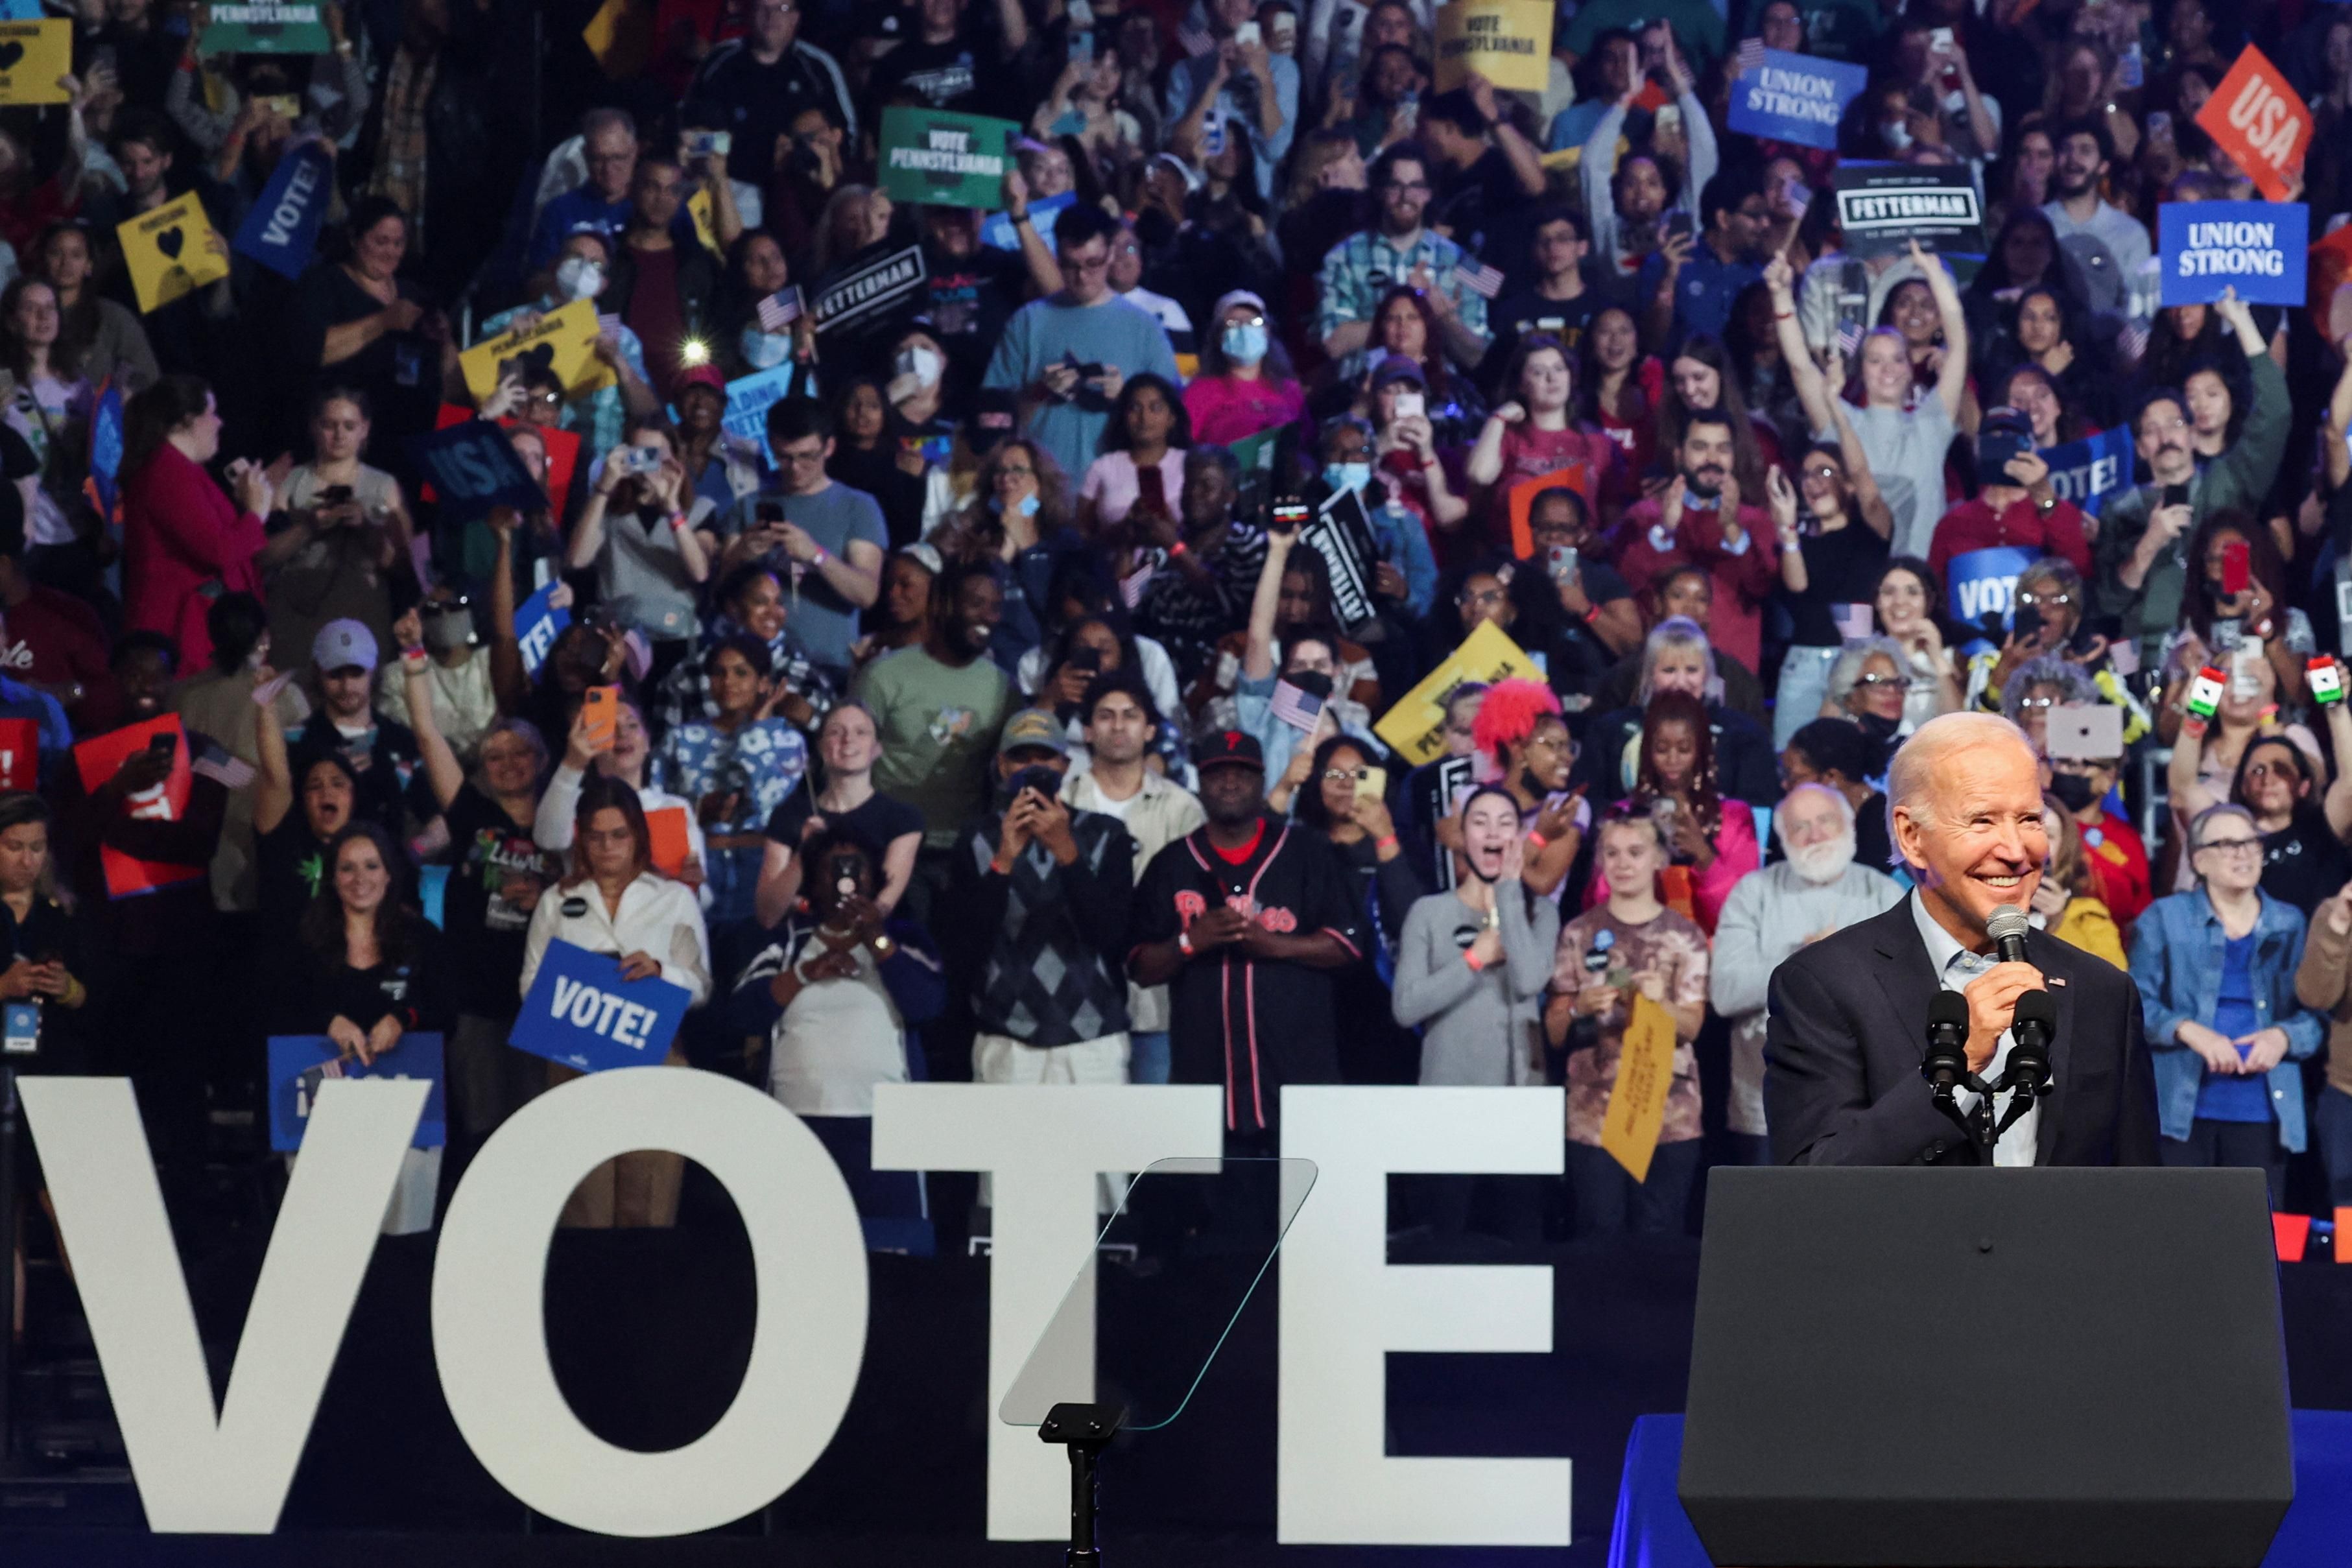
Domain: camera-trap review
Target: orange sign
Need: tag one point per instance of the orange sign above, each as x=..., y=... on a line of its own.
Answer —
x=2256, y=118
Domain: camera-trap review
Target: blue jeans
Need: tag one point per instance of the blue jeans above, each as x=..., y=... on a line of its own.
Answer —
x=1147, y=1057
x=1804, y=687
x=2332, y=1126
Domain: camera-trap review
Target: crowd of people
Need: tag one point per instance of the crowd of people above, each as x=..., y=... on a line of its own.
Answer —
x=1079, y=669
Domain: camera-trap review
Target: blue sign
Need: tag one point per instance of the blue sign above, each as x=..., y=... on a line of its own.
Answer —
x=749, y=398
x=1982, y=581
x=582, y=1013
x=2088, y=471
x=298, y=1064
x=996, y=230
x=2260, y=248
x=475, y=468
x=538, y=624
x=106, y=451
x=1795, y=98
x=283, y=226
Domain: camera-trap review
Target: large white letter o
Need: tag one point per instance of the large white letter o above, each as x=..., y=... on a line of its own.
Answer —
x=490, y=1277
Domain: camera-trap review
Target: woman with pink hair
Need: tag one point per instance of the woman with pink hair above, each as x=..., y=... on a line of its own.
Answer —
x=1520, y=730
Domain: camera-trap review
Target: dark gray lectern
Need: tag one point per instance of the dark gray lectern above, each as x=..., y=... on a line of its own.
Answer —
x=1911, y=1368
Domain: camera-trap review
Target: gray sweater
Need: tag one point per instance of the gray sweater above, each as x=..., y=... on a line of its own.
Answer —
x=1484, y=1026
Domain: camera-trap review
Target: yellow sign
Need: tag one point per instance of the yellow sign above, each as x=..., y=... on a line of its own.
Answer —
x=620, y=34
x=1416, y=726
x=704, y=212
x=172, y=251
x=1509, y=42
x=1637, y=1101
x=563, y=340
x=33, y=57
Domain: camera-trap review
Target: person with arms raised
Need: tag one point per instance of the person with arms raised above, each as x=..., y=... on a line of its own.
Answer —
x=1849, y=1015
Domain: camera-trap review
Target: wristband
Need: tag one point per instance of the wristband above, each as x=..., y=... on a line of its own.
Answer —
x=1591, y=614
x=1538, y=841
x=1474, y=960
x=678, y=522
x=1388, y=843
x=1178, y=550
x=821, y=557
x=1184, y=944
x=408, y=653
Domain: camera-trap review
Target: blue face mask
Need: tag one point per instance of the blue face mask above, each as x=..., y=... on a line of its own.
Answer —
x=765, y=351
x=1245, y=344
x=1028, y=507
x=1347, y=476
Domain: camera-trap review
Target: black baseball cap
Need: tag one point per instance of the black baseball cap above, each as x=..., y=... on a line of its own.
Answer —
x=1229, y=747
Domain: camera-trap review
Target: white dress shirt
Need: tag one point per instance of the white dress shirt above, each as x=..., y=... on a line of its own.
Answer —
x=1956, y=969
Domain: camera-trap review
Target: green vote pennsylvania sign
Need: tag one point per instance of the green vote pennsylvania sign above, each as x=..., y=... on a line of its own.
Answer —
x=265, y=27
x=953, y=159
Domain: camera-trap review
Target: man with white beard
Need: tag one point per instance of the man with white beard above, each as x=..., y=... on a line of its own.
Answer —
x=1771, y=913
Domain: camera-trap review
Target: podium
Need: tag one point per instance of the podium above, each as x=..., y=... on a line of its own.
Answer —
x=1986, y=1368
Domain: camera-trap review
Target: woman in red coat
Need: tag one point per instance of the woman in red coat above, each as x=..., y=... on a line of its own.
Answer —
x=183, y=544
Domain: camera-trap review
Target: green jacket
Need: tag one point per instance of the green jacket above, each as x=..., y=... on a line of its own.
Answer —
x=2240, y=477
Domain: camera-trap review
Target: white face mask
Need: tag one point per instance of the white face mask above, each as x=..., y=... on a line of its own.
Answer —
x=577, y=278
x=921, y=363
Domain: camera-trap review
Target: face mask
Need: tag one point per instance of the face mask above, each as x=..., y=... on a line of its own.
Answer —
x=1897, y=135
x=577, y=278
x=1026, y=506
x=765, y=351
x=921, y=363
x=1880, y=729
x=2072, y=790
x=1347, y=476
x=447, y=634
x=1245, y=345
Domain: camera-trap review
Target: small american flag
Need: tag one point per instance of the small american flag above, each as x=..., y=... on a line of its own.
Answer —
x=780, y=308
x=1482, y=280
x=1849, y=337
x=1132, y=587
x=2133, y=340
x=229, y=772
x=1297, y=708
x=1751, y=56
x=1194, y=41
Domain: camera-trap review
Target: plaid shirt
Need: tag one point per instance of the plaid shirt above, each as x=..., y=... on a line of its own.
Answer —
x=686, y=692
x=1365, y=266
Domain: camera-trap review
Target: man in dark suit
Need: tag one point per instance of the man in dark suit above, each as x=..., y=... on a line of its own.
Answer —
x=1848, y=1026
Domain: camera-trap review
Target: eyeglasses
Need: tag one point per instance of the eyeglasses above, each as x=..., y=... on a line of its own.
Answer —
x=2038, y=703
x=1345, y=775
x=2232, y=845
x=1882, y=680
x=2273, y=771
x=1488, y=597
x=551, y=399
x=1547, y=743
x=1010, y=472
x=1074, y=264
x=2036, y=601
x=1825, y=471
x=1402, y=187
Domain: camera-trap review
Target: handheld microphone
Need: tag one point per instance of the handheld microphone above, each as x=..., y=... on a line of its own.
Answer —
x=1946, y=1064
x=2007, y=927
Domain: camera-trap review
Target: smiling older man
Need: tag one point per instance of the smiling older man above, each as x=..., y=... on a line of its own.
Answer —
x=1849, y=1014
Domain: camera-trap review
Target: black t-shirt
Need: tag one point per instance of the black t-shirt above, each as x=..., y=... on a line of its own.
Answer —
x=969, y=299
x=1523, y=310
x=289, y=865
x=490, y=853
x=391, y=770
x=2303, y=864
x=1487, y=213
x=944, y=76
x=875, y=824
x=1842, y=567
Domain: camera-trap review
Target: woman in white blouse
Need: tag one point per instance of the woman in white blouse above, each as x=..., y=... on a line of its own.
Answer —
x=614, y=902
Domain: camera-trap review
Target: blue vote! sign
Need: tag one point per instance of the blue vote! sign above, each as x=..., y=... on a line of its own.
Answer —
x=538, y=624
x=1984, y=583
x=2088, y=471
x=2260, y=248
x=283, y=226
x=582, y=1013
x=1795, y=98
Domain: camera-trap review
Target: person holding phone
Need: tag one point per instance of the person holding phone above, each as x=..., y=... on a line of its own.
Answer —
x=1829, y=569
x=1344, y=799
x=833, y=999
x=2144, y=561
x=1710, y=840
x=2237, y=596
x=2014, y=504
x=650, y=539
x=1042, y=895
x=340, y=530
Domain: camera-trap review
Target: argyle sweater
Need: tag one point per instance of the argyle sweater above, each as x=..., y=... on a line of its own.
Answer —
x=1041, y=952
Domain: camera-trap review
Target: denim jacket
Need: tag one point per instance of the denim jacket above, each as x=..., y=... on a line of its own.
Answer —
x=2175, y=961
